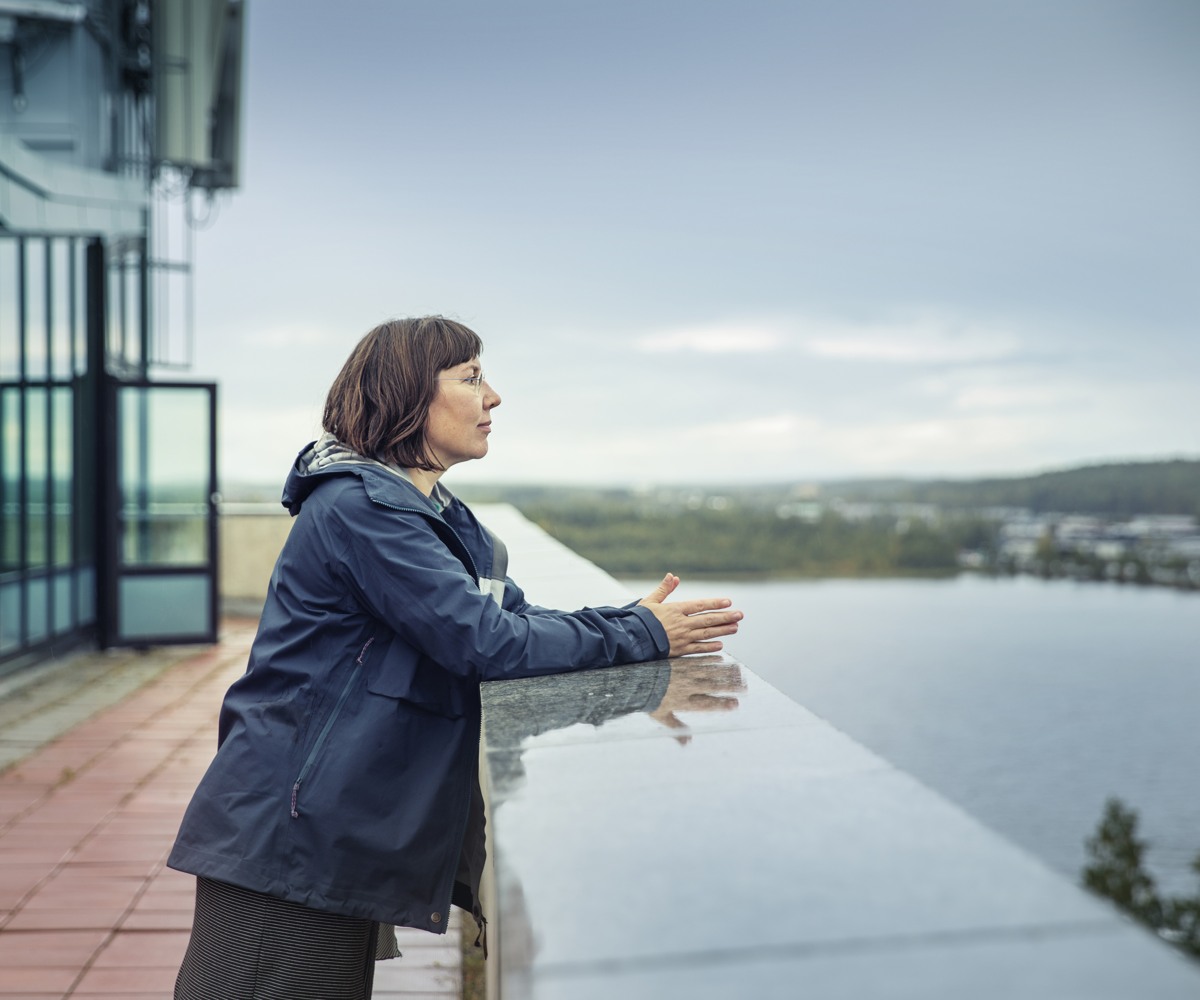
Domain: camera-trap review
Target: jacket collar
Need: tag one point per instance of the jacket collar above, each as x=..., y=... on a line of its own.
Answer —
x=385, y=483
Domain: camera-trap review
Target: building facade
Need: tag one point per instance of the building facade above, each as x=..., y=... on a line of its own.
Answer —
x=110, y=111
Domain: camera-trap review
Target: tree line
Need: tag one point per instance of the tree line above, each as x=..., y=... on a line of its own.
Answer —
x=630, y=539
x=1117, y=489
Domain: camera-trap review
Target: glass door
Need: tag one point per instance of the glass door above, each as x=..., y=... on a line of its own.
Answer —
x=166, y=513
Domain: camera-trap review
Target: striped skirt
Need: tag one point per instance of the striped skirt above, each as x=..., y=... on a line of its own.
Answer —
x=247, y=946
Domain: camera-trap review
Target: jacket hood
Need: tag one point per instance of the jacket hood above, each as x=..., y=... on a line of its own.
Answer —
x=328, y=456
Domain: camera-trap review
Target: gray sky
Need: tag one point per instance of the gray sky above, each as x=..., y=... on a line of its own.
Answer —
x=726, y=241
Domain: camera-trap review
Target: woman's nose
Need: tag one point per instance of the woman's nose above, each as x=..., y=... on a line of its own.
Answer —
x=491, y=398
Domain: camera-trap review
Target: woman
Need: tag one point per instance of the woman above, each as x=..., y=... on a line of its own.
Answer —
x=344, y=792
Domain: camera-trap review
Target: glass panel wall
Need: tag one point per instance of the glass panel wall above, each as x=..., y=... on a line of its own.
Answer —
x=37, y=288
x=61, y=309
x=10, y=303
x=80, y=511
x=11, y=480
x=164, y=470
x=165, y=486
x=45, y=585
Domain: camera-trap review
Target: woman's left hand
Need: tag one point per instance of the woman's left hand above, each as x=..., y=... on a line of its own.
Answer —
x=662, y=591
x=691, y=626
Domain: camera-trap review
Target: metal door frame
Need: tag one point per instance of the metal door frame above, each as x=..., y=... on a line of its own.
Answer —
x=114, y=569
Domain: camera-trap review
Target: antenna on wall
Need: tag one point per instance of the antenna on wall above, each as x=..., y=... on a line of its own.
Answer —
x=198, y=47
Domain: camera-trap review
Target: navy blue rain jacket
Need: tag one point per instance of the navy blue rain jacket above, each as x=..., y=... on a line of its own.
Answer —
x=346, y=776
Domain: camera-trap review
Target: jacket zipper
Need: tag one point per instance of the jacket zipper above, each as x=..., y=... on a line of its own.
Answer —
x=325, y=730
x=441, y=520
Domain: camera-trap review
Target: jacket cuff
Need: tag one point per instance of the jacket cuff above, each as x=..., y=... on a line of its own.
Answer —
x=655, y=633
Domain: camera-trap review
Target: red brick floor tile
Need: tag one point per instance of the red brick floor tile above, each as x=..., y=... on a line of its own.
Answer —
x=16, y=881
x=106, y=848
x=72, y=888
x=167, y=897
x=116, y=869
x=79, y=803
x=168, y=879
x=142, y=802
x=42, y=857
x=63, y=752
x=55, y=809
x=39, y=772
x=37, y=825
x=71, y=949
x=144, y=949
x=159, y=920
x=43, y=837
x=128, y=982
x=160, y=823
x=80, y=918
x=134, y=760
x=151, y=995
x=15, y=798
x=100, y=791
x=168, y=893
x=161, y=796
x=40, y=995
x=34, y=979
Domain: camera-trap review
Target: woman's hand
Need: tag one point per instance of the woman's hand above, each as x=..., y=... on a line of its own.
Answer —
x=691, y=626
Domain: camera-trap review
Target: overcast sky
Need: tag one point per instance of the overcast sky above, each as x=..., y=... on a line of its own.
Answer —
x=726, y=241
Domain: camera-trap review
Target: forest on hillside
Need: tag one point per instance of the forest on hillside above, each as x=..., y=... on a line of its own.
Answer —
x=628, y=539
x=1118, y=489
x=866, y=528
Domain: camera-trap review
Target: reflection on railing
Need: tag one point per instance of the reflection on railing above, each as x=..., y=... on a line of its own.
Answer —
x=660, y=690
x=708, y=684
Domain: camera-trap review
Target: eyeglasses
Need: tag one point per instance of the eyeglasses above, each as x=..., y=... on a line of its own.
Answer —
x=474, y=381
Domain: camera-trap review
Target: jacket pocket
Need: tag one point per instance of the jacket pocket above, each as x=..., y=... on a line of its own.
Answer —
x=319, y=744
x=405, y=674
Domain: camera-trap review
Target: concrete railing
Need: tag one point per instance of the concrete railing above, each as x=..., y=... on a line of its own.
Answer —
x=251, y=536
x=682, y=829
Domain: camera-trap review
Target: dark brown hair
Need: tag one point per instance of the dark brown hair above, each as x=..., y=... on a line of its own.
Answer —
x=379, y=402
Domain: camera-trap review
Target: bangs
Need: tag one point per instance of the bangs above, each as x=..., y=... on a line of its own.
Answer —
x=450, y=343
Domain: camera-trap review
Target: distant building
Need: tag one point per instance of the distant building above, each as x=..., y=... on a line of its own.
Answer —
x=107, y=474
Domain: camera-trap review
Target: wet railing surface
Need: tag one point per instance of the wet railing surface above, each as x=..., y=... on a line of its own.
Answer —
x=682, y=829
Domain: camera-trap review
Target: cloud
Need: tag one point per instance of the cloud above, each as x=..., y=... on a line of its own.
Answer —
x=923, y=339
x=293, y=335
x=799, y=445
x=721, y=338
x=928, y=337
x=1015, y=397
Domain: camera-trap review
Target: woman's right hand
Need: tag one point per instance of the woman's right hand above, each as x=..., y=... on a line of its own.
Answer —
x=691, y=626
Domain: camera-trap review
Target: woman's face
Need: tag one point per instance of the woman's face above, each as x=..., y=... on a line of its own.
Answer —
x=460, y=416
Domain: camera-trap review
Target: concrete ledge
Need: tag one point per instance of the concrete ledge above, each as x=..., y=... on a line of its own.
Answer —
x=682, y=829
x=251, y=537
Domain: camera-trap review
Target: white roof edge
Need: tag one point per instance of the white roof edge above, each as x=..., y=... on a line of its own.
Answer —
x=40, y=195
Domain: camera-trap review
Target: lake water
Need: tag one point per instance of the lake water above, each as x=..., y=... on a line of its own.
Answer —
x=1027, y=702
